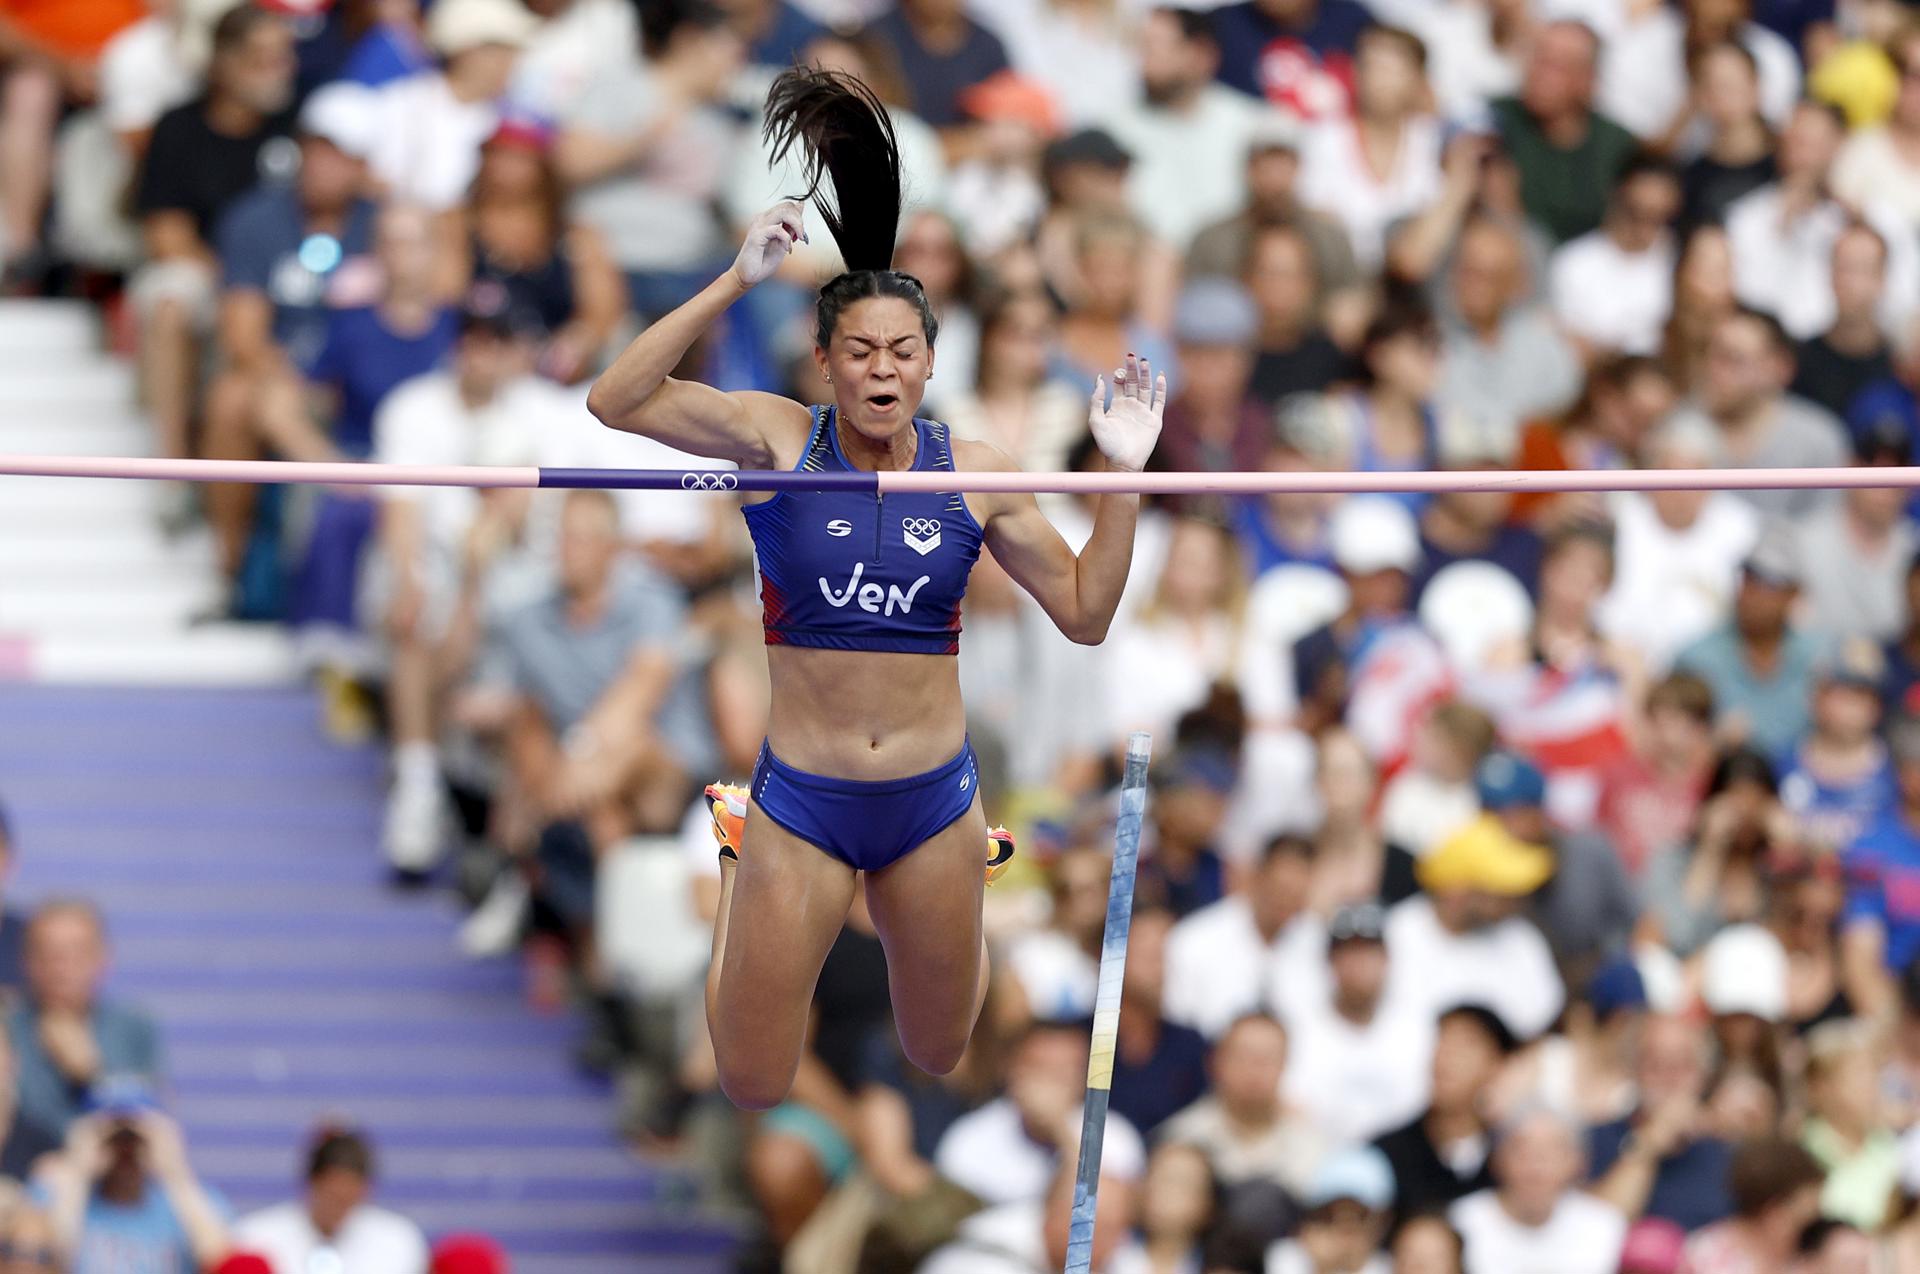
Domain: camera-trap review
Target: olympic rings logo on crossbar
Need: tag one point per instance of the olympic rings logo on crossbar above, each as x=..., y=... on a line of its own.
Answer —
x=709, y=481
x=921, y=527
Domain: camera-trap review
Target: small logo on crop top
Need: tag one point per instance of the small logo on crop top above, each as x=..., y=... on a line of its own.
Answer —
x=839, y=528
x=921, y=534
x=966, y=781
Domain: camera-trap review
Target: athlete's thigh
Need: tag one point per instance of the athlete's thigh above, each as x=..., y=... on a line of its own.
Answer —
x=926, y=908
x=789, y=902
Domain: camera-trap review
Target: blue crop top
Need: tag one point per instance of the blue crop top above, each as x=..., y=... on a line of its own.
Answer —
x=840, y=570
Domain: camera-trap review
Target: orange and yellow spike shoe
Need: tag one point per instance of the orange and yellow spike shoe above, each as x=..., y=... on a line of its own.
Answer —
x=727, y=805
x=999, y=852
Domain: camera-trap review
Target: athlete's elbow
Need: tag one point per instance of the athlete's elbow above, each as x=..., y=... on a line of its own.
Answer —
x=1088, y=631
x=606, y=404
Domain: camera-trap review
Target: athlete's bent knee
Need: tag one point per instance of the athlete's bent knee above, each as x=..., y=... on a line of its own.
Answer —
x=935, y=1057
x=750, y=1088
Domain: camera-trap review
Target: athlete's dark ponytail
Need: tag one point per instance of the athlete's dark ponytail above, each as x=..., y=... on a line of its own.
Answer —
x=847, y=139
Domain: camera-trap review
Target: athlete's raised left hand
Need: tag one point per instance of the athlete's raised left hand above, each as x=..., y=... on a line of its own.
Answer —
x=1127, y=430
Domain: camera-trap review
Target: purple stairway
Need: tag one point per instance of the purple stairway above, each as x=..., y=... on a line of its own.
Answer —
x=233, y=848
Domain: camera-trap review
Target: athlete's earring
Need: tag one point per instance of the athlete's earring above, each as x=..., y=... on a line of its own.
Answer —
x=829, y=380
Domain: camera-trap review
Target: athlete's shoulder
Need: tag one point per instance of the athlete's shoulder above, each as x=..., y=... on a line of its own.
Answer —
x=784, y=423
x=971, y=453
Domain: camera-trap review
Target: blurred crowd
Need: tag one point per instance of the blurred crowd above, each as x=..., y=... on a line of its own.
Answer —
x=1532, y=883
x=95, y=1174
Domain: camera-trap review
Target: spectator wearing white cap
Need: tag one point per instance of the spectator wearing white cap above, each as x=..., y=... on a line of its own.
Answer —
x=1372, y=666
x=1213, y=425
x=1676, y=554
x=1504, y=362
x=1347, y=1205
x=433, y=124
x=1743, y=985
x=1359, y=1065
x=289, y=256
x=1534, y=1218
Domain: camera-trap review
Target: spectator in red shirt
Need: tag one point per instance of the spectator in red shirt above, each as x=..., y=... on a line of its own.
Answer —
x=1649, y=798
x=1776, y=1194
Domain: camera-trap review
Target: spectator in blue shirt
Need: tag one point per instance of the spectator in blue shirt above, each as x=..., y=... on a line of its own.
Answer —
x=1657, y=1162
x=1903, y=652
x=1290, y=52
x=1159, y=1068
x=285, y=250
x=65, y=1037
x=1880, y=928
x=367, y=353
x=13, y=925
x=940, y=52
x=1183, y=871
x=1838, y=779
x=1759, y=664
x=289, y=254
x=124, y=1200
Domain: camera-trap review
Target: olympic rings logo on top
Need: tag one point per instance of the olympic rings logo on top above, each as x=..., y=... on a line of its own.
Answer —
x=709, y=481
x=920, y=526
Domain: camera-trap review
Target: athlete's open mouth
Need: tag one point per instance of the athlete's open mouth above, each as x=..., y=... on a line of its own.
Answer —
x=882, y=401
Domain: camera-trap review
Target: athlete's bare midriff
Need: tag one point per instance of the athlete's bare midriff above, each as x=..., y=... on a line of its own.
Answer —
x=854, y=714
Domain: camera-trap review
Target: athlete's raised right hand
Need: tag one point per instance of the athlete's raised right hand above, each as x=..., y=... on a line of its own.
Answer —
x=770, y=237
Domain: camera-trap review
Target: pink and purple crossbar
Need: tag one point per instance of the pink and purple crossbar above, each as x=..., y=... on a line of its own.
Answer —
x=287, y=471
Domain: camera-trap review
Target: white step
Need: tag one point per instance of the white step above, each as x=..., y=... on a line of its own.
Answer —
x=27, y=326
x=129, y=610
x=113, y=573
x=122, y=437
x=94, y=551
x=213, y=655
x=106, y=382
x=56, y=496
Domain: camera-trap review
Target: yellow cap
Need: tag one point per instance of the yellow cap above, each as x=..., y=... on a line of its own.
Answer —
x=1484, y=855
x=1860, y=79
